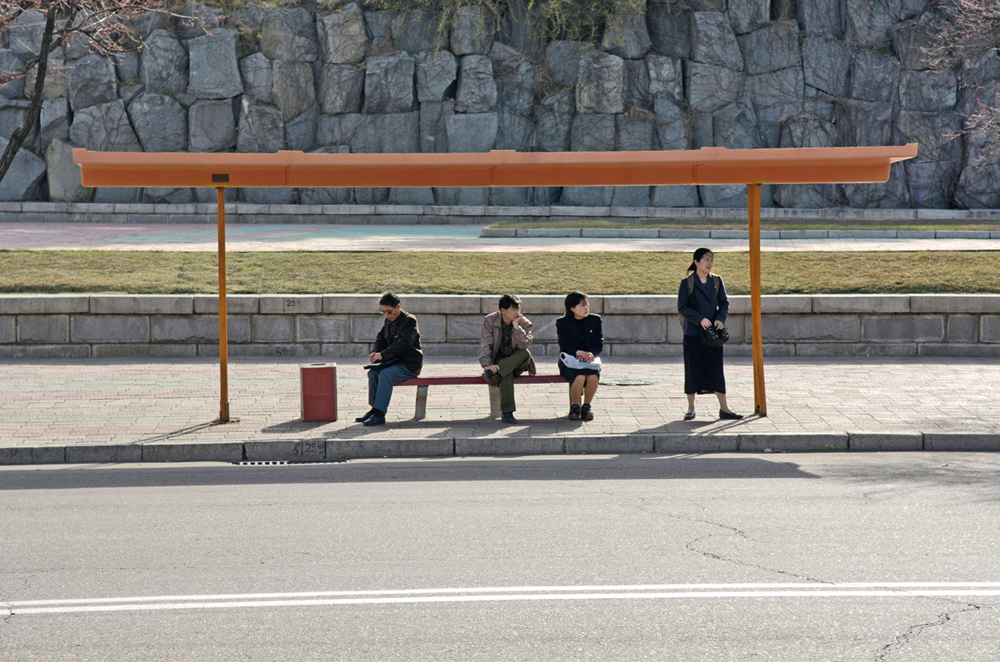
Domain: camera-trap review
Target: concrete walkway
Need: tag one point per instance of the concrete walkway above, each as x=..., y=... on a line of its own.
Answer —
x=163, y=410
x=249, y=237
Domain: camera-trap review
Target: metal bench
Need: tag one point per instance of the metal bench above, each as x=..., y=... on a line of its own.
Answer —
x=422, y=383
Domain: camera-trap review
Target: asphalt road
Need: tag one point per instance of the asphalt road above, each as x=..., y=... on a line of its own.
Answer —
x=712, y=557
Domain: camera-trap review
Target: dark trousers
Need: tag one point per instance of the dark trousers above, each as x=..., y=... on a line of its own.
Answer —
x=510, y=367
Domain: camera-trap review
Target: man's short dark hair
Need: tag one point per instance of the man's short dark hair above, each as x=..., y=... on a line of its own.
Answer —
x=389, y=299
x=508, y=300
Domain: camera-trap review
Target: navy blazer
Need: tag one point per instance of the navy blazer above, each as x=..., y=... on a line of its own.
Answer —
x=701, y=304
x=570, y=339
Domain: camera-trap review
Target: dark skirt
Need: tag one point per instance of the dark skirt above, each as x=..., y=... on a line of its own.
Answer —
x=572, y=373
x=702, y=367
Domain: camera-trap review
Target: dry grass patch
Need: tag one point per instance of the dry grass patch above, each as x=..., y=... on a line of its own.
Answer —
x=150, y=272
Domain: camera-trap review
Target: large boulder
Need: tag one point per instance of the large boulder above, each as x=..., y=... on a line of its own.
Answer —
x=515, y=79
x=748, y=15
x=300, y=133
x=56, y=79
x=673, y=124
x=379, y=24
x=867, y=23
x=601, y=83
x=53, y=122
x=979, y=187
x=626, y=34
x=669, y=29
x=64, y=178
x=515, y=28
x=417, y=31
x=167, y=196
x=894, y=194
x=735, y=126
x=163, y=64
x=826, y=64
x=799, y=131
x=472, y=30
x=13, y=113
x=874, y=76
x=937, y=134
x=912, y=39
x=337, y=130
x=11, y=61
x=931, y=91
x=675, y=196
x=775, y=95
x=389, y=84
x=371, y=134
x=289, y=34
x=436, y=73
x=714, y=42
x=92, y=81
x=126, y=66
x=710, y=88
x=477, y=89
x=340, y=88
x=637, y=85
x=593, y=133
x=211, y=126
x=634, y=132
x=257, y=77
x=342, y=35
x=293, y=90
x=472, y=132
x=820, y=17
x=863, y=124
x=666, y=77
x=562, y=60
x=212, y=68
x=932, y=185
x=433, y=131
x=261, y=128
x=515, y=132
x=160, y=122
x=194, y=19
x=771, y=48
x=23, y=178
x=555, y=119
x=104, y=128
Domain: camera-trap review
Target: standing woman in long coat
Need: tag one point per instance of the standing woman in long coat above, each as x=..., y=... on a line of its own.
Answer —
x=705, y=306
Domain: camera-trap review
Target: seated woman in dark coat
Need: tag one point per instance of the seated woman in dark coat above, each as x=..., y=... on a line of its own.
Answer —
x=702, y=305
x=580, y=336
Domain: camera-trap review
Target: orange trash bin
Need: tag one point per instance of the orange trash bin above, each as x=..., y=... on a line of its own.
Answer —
x=319, y=391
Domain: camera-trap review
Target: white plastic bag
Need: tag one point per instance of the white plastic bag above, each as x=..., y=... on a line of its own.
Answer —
x=577, y=364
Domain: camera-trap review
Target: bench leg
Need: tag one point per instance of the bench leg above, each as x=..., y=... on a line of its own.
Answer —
x=494, y=401
x=421, y=410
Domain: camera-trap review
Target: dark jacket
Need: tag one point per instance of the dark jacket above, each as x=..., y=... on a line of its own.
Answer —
x=399, y=343
x=571, y=340
x=701, y=304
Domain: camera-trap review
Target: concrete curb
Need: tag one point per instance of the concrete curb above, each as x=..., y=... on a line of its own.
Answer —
x=313, y=450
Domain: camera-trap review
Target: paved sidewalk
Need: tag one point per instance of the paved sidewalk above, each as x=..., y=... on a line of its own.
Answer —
x=246, y=237
x=163, y=410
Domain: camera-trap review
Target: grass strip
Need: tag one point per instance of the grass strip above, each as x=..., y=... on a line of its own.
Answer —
x=152, y=272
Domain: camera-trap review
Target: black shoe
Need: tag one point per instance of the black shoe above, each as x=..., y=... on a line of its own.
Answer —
x=488, y=376
x=586, y=414
x=376, y=419
x=362, y=419
x=508, y=417
x=729, y=415
x=574, y=412
x=689, y=416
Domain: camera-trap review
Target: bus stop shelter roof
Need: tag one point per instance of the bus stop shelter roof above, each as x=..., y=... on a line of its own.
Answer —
x=708, y=165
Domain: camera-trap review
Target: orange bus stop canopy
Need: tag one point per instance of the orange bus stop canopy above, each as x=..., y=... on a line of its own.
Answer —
x=705, y=166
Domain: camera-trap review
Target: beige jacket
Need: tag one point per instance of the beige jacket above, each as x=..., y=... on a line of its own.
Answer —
x=492, y=336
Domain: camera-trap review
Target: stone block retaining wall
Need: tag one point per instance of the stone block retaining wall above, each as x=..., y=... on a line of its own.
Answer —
x=332, y=325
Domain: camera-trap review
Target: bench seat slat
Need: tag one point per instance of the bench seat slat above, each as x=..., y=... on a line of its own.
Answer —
x=445, y=381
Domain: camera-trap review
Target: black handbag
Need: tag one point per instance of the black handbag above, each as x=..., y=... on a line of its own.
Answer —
x=713, y=337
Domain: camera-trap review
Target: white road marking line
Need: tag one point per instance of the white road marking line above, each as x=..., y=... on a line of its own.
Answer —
x=503, y=594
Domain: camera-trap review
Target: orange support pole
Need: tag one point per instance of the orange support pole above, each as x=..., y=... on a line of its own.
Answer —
x=223, y=311
x=753, y=204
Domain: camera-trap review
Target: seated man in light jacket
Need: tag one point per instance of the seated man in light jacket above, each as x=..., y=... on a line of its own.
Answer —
x=503, y=350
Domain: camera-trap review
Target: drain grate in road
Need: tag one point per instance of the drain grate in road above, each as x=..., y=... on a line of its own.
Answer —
x=274, y=463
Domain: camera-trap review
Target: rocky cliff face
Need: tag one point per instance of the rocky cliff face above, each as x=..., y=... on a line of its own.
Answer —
x=341, y=77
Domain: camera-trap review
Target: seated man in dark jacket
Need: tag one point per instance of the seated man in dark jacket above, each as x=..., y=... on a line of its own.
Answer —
x=398, y=355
